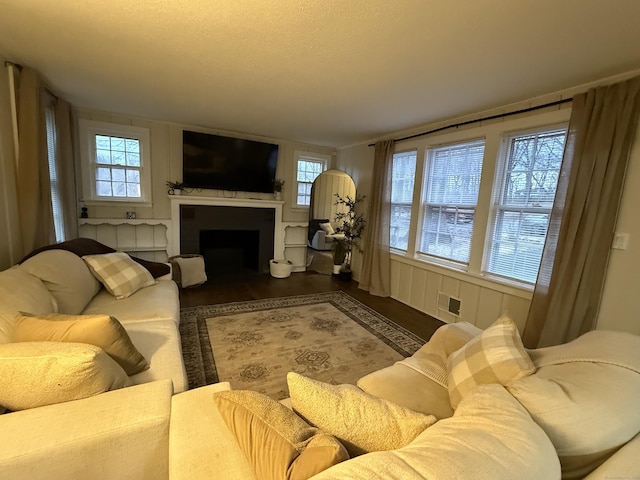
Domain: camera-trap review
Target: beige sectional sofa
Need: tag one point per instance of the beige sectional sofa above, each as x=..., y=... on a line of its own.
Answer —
x=574, y=412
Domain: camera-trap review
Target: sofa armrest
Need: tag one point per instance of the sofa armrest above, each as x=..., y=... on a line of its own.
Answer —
x=625, y=463
x=121, y=434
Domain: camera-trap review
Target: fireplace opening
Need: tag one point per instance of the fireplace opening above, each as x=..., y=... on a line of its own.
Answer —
x=230, y=251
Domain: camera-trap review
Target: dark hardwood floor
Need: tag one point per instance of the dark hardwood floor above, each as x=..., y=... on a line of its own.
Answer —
x=255, y=287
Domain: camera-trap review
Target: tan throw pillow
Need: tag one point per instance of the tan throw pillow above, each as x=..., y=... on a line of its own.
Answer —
x=120, y=275
x=33, y=374
x=277, y=443
x=100, y=330
x=192, y=272
x=495, y=356
x=361, y=422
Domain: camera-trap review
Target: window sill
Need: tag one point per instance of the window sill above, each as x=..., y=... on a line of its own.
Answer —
x=510, y=287
x=113, y=203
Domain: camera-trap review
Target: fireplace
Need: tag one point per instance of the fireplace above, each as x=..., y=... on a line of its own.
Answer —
x=230, y=251
x=232, y=240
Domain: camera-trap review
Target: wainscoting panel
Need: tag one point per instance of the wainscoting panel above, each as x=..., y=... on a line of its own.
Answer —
x=481, y=301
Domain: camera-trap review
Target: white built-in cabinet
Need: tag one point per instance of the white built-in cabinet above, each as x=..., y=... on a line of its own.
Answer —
x=295, y=245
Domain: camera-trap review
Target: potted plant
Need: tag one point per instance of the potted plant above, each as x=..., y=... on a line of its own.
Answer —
x=175, y=188
x=352, y=224
x=277, y=188
x=339, y=253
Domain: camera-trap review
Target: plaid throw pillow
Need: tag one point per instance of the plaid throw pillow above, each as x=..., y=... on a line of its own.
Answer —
x=495, y=356
x=120, y=275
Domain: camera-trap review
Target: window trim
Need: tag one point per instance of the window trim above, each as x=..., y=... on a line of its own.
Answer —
x=88, y=129
x=493, y=133
x=415, y=153
x=310, y=156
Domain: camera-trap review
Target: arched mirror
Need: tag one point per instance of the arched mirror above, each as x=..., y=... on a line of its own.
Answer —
x=323, y=208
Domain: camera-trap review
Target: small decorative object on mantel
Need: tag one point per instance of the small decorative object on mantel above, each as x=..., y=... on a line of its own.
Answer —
x=131, y=215
x=277, y=188
x=175, y=188
x=84, y=212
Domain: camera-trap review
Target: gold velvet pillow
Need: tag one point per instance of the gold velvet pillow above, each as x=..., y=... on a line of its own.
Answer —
x=100, y=330
x=277, y=443
x=361, y=422
x=497, y=355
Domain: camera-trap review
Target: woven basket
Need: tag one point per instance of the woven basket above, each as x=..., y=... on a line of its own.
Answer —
x=175, y=267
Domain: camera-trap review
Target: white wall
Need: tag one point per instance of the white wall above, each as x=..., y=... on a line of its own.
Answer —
x=166, y=162
x=620, y=308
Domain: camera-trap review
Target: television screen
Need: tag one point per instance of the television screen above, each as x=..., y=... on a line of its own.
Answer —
x=225, y=163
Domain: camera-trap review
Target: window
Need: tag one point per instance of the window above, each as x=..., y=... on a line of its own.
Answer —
x=402, y=180
x=526, y=189
x=116, y=162
x=56, y=199
x=450, y=195
x=308, y=167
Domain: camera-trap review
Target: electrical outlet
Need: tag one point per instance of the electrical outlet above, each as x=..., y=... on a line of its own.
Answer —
x=620, y=241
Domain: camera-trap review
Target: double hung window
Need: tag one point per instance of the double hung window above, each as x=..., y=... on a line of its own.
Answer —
x=524, y=195
x=450, y=195
x=308, y=167
x=116, y=162
x=402, y=181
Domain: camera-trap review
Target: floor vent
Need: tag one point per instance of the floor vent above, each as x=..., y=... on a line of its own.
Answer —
x=449, y=303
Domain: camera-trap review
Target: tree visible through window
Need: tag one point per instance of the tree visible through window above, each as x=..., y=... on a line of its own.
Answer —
x=528, y=185
x=117, y=165
x=449, y=200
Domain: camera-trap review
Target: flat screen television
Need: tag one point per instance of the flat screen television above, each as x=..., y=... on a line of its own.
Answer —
x=225, y=163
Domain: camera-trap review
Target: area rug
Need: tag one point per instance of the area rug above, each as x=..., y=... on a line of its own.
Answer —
x=330, y=337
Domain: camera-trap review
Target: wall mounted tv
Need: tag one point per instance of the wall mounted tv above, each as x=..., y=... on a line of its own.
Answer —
x=225, y=163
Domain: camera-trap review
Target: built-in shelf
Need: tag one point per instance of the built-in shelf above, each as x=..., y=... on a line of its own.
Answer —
x=148, y=238
x=295, y=244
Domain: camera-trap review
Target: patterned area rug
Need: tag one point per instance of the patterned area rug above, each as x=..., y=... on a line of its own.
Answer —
x=329, y=337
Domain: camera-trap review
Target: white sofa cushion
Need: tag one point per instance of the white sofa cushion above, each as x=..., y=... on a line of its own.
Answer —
x=159, y=302
x=122, y=434
x=200, y=444
x=21, y=292
x=584, y=395
x=66, y=276
x=159, y=342
x=491, y=437
x=33, y=374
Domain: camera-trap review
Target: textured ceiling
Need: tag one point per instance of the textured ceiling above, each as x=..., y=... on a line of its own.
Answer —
x=328, y=72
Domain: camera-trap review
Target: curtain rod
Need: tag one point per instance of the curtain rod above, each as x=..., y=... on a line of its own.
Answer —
x=483, y=119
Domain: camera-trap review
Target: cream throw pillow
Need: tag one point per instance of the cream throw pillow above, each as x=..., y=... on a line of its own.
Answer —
x=277, y=443
x=120, y=275
x=495, y=356
x=327, y=228
x=33, y=374
x=361, y=422
x=100, y=330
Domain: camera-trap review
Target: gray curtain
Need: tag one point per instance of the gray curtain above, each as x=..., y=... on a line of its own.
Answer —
x=376, y=261
x=34, y=199
x=574, y=261
x=66, y=166
x=33, y=180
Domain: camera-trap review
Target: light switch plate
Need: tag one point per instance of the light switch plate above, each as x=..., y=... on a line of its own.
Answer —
x=620, y=241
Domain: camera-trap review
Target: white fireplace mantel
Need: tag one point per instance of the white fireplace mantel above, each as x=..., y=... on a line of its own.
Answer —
x=177, y=200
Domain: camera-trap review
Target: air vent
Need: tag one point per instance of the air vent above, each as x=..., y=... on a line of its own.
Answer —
x=449, y=304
